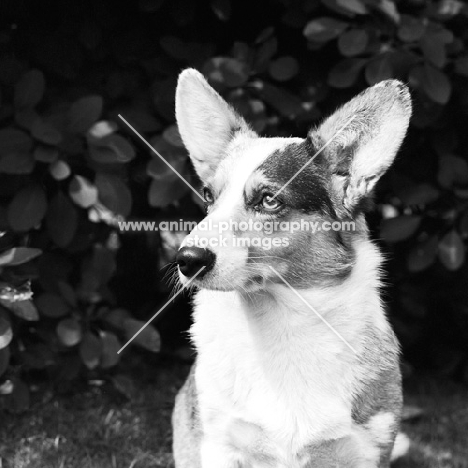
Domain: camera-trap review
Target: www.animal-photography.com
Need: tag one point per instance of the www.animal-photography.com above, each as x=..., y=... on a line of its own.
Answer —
x=233, y=235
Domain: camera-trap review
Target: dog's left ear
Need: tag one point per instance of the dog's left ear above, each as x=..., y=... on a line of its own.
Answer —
x=207, y=123
x=365, y=135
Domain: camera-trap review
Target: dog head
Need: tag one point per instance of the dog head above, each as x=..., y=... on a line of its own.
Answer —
x=258, y=189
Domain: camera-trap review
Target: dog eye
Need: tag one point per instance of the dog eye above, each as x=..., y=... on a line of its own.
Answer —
x=208, y=195
x=269, y=203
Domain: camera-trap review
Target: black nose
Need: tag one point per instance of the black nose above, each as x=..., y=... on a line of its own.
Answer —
x=192, y=259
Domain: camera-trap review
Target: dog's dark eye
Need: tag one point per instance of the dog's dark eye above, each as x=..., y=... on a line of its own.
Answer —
x=269, y=203
x=208, y=195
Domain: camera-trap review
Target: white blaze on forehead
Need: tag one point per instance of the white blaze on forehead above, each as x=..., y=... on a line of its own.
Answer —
x=244, y=157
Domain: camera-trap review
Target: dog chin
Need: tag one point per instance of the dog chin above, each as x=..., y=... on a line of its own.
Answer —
x=214, y=286
x=249, y=285
x=208, y=283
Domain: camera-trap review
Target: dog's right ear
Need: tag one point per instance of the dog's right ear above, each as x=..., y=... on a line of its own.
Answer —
x=207, y=123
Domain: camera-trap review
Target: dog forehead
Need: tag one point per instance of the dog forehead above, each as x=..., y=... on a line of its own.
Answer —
x=288, y=161
x=245, y=156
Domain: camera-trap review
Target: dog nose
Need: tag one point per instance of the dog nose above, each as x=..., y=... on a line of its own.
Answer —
x=192, y=259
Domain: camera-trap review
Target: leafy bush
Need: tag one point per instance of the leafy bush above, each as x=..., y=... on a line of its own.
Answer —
x=63, y=175
x=71, y=169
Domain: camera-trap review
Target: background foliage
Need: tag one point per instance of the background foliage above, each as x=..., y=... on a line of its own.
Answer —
x=70, y=169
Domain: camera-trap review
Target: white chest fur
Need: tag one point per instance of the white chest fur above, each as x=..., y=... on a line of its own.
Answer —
x=270, y=362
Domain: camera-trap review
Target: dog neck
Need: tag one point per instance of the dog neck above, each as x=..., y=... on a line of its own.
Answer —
x=284, y=314
x=345, y=308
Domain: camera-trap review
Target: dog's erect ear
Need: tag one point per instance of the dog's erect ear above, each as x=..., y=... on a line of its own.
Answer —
x=366, y=134
x=206, y=122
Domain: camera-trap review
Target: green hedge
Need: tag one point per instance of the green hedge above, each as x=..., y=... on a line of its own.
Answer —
x=70, y=169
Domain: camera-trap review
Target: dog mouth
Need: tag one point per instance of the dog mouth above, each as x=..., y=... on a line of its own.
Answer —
x=207, y=282
x=251, y=283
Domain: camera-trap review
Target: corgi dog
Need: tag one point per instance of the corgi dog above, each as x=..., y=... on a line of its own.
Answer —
x=297, y=365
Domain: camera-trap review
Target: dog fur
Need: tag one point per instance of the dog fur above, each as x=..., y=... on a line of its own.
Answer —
x=273, y=385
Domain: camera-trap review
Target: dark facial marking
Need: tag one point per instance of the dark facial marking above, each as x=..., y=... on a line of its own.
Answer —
x=308, y=192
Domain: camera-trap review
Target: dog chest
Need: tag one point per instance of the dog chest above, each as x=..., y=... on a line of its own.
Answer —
x=284, y=373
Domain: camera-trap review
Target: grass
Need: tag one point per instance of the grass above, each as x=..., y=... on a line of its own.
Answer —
x=439, y=438
x=97, y=427
x=100, y=428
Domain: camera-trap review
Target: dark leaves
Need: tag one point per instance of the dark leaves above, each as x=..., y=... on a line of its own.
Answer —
x=52, y=305
x=59, y=170
x=324, y=29
x=69, y=331
x=6, y=333
x=345, y=73
x=17, y=163
x=148, y=338
x=379, y=69
x=433, y=82
x=111, y=149
x=83, y=113
x=61, y=220
x=461, y=66
x=419, y=194
x=399, y=228
x=25, y=310
x=18, y=256
x=163, y=193
x=411, y=29
x=452, y=251
x=110, y=345
x=46, y=132
x=91, y=350
x=83, y=192
x=226, y=71
x=453, y=170
x=350, y=7
x=222, y=9
x=423, y=255
x=353, y=42
x=27, y=208
x=14, y=141
x=114, y=194
x=19, y=398
x=284, y=68
x=29, y=89
x=286, y=103
x=4, y=360
x=433, y=48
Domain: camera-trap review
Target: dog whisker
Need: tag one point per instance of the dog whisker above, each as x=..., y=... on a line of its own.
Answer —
x=268, y=256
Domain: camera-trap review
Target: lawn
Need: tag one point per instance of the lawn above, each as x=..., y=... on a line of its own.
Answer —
x=103, y=427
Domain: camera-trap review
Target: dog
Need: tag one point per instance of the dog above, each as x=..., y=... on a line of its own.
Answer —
x=297, y=365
